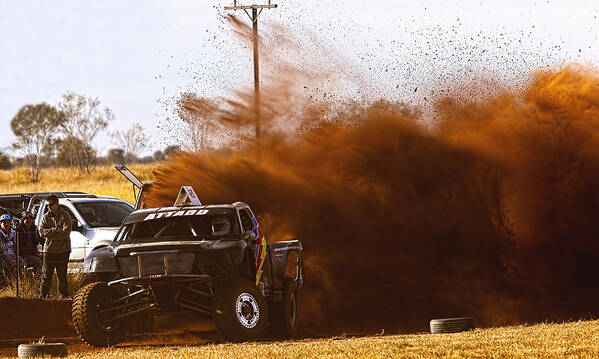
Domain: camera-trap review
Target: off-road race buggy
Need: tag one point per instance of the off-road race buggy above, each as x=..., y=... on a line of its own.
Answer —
x=211, y=260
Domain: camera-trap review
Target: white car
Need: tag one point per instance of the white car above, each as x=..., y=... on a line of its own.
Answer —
x=96, y=219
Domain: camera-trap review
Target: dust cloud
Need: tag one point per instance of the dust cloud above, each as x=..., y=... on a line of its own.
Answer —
x=491, y=212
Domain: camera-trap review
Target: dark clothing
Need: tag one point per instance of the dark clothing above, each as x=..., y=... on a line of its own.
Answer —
x=7, y=236
x=56, y=229
x=60, y=262
x=7, y=250
x=28, y=240
x=33, y=261
x=5, y=268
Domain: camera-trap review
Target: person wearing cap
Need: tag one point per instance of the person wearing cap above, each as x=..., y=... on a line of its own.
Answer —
x=7, y=245
x=56, y=229
x=28, y=241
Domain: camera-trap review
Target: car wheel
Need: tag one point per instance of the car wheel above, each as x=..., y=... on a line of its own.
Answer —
x=92, y=316
x=284, y=315
x=241, y=311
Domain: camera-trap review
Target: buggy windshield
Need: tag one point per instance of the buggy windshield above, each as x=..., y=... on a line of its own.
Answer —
x=212, y=224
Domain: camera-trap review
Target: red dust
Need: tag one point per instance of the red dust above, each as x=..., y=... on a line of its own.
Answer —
x=491, y=214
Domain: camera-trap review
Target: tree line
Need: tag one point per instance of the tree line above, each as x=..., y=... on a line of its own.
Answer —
x=63, y=135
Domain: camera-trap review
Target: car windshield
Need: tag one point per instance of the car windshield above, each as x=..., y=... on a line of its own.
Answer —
x=213, y=223
x=104, y=214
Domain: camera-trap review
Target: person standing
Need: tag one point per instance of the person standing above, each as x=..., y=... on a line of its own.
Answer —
x=28, y=241
x=56, y=229
x=7, y=246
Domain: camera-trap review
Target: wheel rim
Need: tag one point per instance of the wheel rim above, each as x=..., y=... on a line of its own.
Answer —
x=292, y=310
x=103, y=315
x=247, y=310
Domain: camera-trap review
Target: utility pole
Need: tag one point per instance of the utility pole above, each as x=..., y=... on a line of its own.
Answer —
x=256, y=11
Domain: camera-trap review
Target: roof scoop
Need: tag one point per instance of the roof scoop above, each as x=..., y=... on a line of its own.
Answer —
x=187, y=197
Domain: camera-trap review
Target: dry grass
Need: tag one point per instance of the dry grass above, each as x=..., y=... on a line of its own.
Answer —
x=29, y=286
x=102, y=180
x=569, y=340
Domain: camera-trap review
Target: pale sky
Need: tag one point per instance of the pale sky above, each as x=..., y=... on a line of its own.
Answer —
x=137, y=56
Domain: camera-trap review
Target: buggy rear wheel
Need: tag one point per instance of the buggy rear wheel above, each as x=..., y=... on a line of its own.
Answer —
x=92, y=316
x=284, y=322
x=241, y=311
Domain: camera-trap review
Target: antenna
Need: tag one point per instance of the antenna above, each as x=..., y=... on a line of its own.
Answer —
x=254, y=18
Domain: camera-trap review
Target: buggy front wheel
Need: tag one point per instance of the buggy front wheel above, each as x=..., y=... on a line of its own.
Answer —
x=92, y=315
x=241, y=311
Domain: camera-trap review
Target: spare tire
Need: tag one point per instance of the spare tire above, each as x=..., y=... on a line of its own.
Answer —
x=451, y=325
x=42, y=350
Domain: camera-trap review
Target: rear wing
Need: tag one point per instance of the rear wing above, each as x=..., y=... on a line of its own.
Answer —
x=138, y=185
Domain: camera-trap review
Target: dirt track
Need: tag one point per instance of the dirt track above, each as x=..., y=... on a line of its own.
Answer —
x=26, y=320
x=574, y=339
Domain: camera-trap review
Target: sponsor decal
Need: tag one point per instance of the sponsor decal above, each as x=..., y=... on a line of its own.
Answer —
x=191, y=212
x=285, y=249
x=260, y=250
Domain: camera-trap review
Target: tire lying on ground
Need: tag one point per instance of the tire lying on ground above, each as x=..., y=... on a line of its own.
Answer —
x=90, y=319
x=451, y=325
x=42, y=350
x=284, y=314
x=240, y=311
